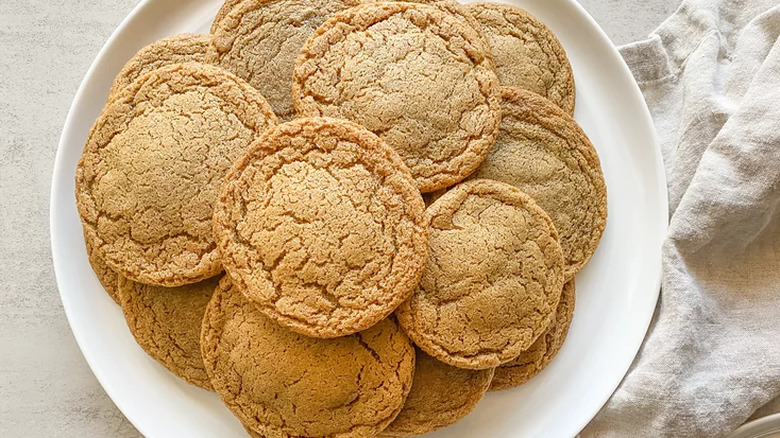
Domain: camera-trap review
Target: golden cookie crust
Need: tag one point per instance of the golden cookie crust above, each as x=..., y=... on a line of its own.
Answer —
x=108, y=278
x=441, y=395
x=460, y=11
x=321, y=225
x=166, y=323
x=526, y=53
x=532, y=361
x=282, y=384
x=259, y=40
x=176, y=49
x=493, y=278
x=415, y=75
x=151, y=169
x=544, y=152
x=227, y=6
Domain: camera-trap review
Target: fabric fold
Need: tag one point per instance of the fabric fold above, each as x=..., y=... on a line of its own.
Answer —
x=711, y=77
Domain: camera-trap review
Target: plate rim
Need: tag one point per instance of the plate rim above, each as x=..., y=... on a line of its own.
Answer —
x=58, y=170
x=758, y=428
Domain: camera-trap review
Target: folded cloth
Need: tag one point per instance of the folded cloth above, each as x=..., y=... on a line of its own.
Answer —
x=711, y=77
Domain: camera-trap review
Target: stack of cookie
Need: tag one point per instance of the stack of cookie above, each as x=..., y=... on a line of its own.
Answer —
x=347, y=218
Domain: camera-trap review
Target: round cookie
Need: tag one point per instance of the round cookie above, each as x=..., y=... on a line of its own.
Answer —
x=532, y=361
x=321, y=225
x=177, y=49
x=493, y=278
x=544, y=152
x=227, y=6
x=347, y=387
x=460, y=11
x=431, y=197
x=151, y=169
x=526, y=53
x=259, y=40
x=441, y=395
x=166, y=323
x=107, y=278
x=417, y=76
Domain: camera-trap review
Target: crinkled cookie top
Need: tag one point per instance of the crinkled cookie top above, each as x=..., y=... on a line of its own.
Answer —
x=151, y=169
x=282, y=384
x=415, y=75
x=321, y=225
x=493, y=278
x=526, y=53
x=259, y=40
x=544, y=152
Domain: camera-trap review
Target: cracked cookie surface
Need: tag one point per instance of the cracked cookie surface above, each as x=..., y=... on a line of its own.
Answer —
x=544, y=152
x=259, y=40
x=321, y=225
x=107, y=278
x=440, y=396
x=460, y=11
x=493, y=278
x=282, y=384
x=532, y=361
x=527, y=54
x=225, y=9
x=151, y=169
x=413, y=74
x=166, y=323
x=177, y=49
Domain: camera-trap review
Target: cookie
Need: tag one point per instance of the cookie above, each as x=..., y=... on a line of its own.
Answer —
x=431, y=197
x=151, y=169
x=527, y=54
x=283, y=384
x=415, y=75
x=460, y=11
x=321, y=225
x=493, y=278
x=177, y=49
x=532, y=361
x=545, y=153
x=107, y=278
x=259, y=40
x=228, y=6
x=441, y=395
x=166, y=322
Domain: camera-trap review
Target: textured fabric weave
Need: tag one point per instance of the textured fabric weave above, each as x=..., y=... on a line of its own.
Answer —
x=711, y=77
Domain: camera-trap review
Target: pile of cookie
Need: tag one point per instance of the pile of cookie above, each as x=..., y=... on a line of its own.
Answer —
x=347, y=218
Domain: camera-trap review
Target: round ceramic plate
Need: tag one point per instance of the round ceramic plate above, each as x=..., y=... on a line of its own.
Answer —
x=616, y=292
x=766, y=427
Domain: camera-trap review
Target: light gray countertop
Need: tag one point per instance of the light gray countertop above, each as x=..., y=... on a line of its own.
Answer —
x=46, y=46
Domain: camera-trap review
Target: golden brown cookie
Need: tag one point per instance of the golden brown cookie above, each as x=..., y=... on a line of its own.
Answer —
x=227, y=6
x=431, y=197
x=321, y=225
x=441, y=395
x=493, y=278
x=259, y=40
x=166, y=323
x=283, y=384
x=526, y=53
x=108, y=278
x=415, y=75
x=177, y=49
x=545, y=153
x=458, y=10
x=151, y=169
x=538, y=356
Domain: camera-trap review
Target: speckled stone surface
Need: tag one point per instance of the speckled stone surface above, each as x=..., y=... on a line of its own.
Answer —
x=46, y=388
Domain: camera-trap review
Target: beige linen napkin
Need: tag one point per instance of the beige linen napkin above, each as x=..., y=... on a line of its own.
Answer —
x=711, y=77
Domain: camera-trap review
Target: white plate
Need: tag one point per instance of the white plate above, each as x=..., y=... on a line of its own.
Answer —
x=766, y=427
x=616, y=293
